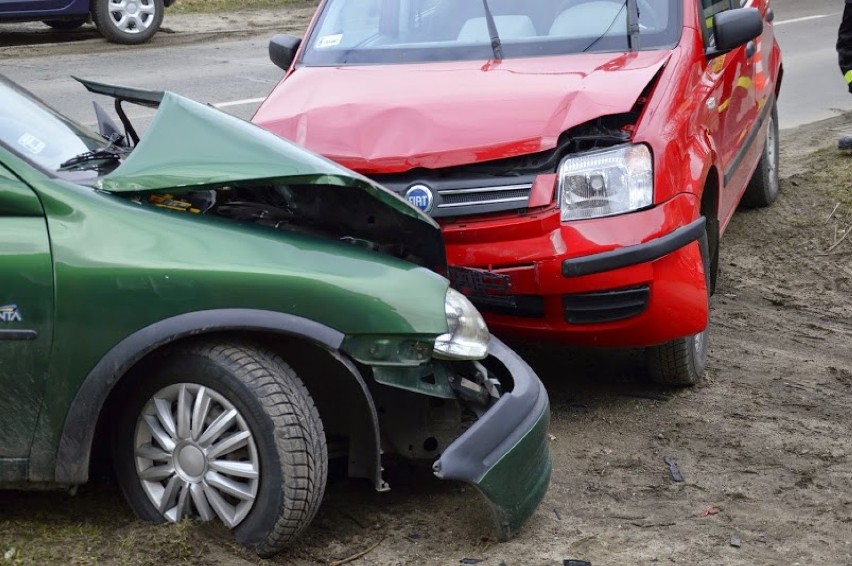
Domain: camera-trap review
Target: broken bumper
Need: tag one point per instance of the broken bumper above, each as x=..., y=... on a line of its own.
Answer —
x=505, y=454
x=631, y=280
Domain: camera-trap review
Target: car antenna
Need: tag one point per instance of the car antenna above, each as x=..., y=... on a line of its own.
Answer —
x=496, y=46
x=632, y=24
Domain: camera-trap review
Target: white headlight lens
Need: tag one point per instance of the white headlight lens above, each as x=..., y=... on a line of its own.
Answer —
x=468, y=336
x=604, y=183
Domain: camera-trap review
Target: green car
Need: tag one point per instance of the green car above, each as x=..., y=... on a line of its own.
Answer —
x=218, y=312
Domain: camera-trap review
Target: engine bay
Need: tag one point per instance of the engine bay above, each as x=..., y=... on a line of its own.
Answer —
x=326, y=211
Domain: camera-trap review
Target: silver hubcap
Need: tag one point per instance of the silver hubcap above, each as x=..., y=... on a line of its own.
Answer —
x=698, y=341
x=132, y=16
x=195, y=455
x=772, y=155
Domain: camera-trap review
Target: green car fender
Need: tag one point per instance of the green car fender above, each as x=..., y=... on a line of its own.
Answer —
x=76, y=441
x=133, y=267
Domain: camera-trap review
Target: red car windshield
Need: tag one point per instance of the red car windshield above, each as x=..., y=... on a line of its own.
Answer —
x=358, y=32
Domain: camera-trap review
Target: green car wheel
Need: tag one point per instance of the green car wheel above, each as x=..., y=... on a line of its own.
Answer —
x=223, y=432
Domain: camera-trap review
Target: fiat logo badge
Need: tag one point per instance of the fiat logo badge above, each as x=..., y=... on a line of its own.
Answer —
x=420, y=196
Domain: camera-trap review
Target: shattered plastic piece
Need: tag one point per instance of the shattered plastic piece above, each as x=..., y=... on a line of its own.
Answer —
x=676, y=475
x=571, y=562
x=711, y=511
x=471, y=560
x=736, y=542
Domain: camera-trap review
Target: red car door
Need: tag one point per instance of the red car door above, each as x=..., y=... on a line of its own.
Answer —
x=733, y=96
x=765, y=59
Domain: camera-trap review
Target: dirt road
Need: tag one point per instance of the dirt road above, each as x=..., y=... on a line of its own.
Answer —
x=763, y=445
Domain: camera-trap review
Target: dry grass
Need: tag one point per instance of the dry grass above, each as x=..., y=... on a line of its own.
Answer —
x=188, y=6
x=95, y=527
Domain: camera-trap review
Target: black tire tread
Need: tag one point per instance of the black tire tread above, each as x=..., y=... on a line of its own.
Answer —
x=296, y=427
x=673, y=363
x=756, y=194
x=286, y=401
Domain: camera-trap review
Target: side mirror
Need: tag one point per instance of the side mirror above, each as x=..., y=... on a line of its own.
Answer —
x=733, y=28
x=282, y=50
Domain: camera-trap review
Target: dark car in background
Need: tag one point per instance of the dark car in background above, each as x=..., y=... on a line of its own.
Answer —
x=119, y=21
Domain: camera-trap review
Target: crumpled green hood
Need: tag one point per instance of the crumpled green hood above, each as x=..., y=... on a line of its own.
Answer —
x=192, y=146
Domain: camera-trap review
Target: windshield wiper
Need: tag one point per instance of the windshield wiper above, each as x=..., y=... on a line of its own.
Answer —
x=633, y=24
x=624, y=5
x=106, y=153
x=496, y=46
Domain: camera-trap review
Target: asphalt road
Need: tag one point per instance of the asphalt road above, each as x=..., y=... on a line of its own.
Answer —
x=812, y=88
x=236, y=74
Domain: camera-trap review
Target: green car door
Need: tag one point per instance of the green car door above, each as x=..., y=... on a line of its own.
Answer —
x=26, y=313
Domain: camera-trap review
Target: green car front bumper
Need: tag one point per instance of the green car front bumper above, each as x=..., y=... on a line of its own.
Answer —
x=505, y=454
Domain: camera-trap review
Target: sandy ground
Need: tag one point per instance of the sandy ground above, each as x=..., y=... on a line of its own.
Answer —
x=763, y=444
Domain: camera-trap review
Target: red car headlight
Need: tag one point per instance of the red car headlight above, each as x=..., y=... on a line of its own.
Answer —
x=604, y=183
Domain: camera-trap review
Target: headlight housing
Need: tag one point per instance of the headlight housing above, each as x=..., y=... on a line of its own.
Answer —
x=604, y=183
x=468, y=336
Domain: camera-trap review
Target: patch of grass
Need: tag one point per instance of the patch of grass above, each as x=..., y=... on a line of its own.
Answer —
x=138, y=543
x=95, y=527
x=176, y=543
x=188, y=6
x=36, y=542
x=830, y=173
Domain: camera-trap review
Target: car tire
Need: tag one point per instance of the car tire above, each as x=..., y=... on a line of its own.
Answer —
x=683, y=361
x=680, y=362
x=67, y=24
x=762, y=189
x=248, y=447
x=128, y=21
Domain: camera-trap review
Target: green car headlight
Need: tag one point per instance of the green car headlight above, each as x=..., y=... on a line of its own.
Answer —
x=468, y=335
x=604, y=183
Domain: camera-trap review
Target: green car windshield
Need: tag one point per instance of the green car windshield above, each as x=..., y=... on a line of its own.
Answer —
x=31, y=129
x=358, y=32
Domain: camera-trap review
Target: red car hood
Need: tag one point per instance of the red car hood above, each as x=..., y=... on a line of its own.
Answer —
x=392, y=118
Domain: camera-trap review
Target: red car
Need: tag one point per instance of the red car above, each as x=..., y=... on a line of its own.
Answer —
x=582, y=157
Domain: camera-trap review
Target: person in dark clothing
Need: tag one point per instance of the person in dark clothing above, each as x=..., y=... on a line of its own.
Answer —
x=844, y=57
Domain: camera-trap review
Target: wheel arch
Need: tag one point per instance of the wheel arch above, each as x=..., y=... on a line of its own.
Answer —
x=710, y=210
x=86, y=425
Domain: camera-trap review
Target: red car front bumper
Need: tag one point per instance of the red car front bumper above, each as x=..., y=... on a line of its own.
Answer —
x=631, y=280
